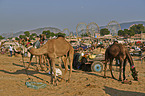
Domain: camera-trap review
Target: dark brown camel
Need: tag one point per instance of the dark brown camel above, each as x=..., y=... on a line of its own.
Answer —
x=119, y=52
x=56, y=48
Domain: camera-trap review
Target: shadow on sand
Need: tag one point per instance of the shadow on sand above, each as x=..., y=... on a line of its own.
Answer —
x=28, y=72
x=99, y=75
x=115, y=92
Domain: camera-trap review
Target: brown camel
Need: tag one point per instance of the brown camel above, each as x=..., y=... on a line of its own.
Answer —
x=119, y=52
x=37, y=44
x=56, y=48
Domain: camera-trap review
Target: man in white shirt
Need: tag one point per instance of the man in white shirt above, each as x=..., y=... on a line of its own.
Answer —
x=11, y=50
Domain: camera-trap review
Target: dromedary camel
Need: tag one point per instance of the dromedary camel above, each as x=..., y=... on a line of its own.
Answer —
x=37, y=44
x=119, y=52
x=56, y=48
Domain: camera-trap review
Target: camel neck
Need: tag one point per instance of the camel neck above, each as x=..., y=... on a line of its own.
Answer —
x=130, y=59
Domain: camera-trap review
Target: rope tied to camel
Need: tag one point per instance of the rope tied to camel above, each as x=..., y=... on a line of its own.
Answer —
x=132, y=67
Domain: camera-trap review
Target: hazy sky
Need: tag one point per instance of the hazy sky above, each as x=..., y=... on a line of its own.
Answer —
x=23, y=15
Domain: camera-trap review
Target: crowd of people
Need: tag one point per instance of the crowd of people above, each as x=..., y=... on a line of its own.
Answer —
x=15, y=46
x=42, y=40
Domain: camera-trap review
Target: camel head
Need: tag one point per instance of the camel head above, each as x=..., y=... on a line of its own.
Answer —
x=29, y=46
x=134, y=73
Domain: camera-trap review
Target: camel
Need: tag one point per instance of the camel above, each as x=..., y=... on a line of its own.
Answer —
x=119, y=52
x=56, y=48
x=37, y=44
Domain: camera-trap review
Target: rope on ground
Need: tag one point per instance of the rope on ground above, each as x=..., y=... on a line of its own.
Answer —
x=35, y=85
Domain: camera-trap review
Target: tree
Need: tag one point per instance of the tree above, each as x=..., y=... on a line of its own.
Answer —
x=52, y=34
x=63, y=34
x=86, y=34
x=137, y=29
x=47, y=33
x=121, y=33
x=22, y=36
x=1, y=37
x=129, y=32
x=126, y=32
x=31, y=37
x=34, y=34
x=104, y=31
x=16, y=38
x=27, y=33
x=10, y=38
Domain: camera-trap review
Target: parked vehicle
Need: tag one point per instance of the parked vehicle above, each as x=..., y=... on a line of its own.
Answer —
x=135, y=51
x=89, y=62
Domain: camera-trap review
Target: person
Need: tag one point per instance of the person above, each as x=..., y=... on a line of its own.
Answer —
x=137, y=48
x=43, y=39
x=11, y=50
x=115, y=42
x=2, y=49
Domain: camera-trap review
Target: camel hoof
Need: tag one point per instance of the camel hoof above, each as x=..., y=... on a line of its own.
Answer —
x=119, y=80
x=42, y=69
x=126, y=82
x=68, y=80
x=113, y=77
x=56, y=83
x=36, y=69
x=104, y=76
x=26, y=68
x=59, y=79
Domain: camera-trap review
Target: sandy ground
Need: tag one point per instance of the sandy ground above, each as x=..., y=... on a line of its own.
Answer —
x=13, y=78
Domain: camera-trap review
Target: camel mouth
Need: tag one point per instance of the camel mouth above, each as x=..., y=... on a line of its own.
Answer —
x=134, y=75
x=136, y=79
x=29, y=48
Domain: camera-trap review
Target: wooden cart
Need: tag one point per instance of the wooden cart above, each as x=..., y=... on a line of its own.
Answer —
x=93, y=64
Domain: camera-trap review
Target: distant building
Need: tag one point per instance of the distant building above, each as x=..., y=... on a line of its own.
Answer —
x=143, y=36
x=136, y=36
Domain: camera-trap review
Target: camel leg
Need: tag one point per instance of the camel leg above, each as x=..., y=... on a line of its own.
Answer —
x=44, y=62
x=120, y=70
x=110, y=67
x=66, y=66
x=53, y=76
x=29, y=61
x=48, y=67
x=71, y=62
x=105, y=67
x=124, y=65
x=51, y=71
x=36, y=59
x=43, y=58
x=62, y=61
x=41, y=63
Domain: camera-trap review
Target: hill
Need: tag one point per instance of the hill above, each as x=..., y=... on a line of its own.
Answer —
x=126, y=25
x=38, y=31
